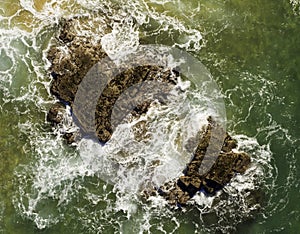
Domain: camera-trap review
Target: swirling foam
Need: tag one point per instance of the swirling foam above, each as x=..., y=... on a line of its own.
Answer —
x=60, y=185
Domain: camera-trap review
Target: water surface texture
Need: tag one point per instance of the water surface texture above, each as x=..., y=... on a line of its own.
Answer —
x=252, y=50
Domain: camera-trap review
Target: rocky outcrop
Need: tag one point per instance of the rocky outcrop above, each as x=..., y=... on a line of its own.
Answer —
x=73, y=56
x=55, y=114
x=226, y=165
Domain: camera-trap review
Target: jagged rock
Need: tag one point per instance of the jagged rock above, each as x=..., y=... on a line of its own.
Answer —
x=227, y=164
x=73, y=56
x=71, y=137
x=71, y=62
x=55, y=114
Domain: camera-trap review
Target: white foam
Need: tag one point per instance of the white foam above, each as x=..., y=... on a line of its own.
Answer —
x=296, y=6
x=124, y=38
x=58, y=174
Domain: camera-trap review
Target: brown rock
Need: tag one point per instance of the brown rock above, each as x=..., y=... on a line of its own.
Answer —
x=55, y=114
x=71, y=62
x=73, y=56
x=227, y=164
x=184, y=181
x=196, y=182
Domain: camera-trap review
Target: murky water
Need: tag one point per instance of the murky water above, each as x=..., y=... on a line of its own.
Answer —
x=252, y=50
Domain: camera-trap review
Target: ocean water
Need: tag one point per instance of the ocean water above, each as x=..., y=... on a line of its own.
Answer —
x=252, y=50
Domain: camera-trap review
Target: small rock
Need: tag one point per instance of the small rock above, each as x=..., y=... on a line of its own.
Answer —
x=56, y=112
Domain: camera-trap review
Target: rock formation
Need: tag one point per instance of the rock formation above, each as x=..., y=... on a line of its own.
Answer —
x=228, y=163
x=72, y=56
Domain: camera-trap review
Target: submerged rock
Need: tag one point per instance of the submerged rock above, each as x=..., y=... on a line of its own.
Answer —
x=73, y=56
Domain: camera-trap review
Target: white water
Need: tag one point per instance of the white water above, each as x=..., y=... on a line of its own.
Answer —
x=50, y=186
x=296, y=6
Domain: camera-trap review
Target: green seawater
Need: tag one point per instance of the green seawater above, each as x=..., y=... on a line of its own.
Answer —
x=252, y=49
